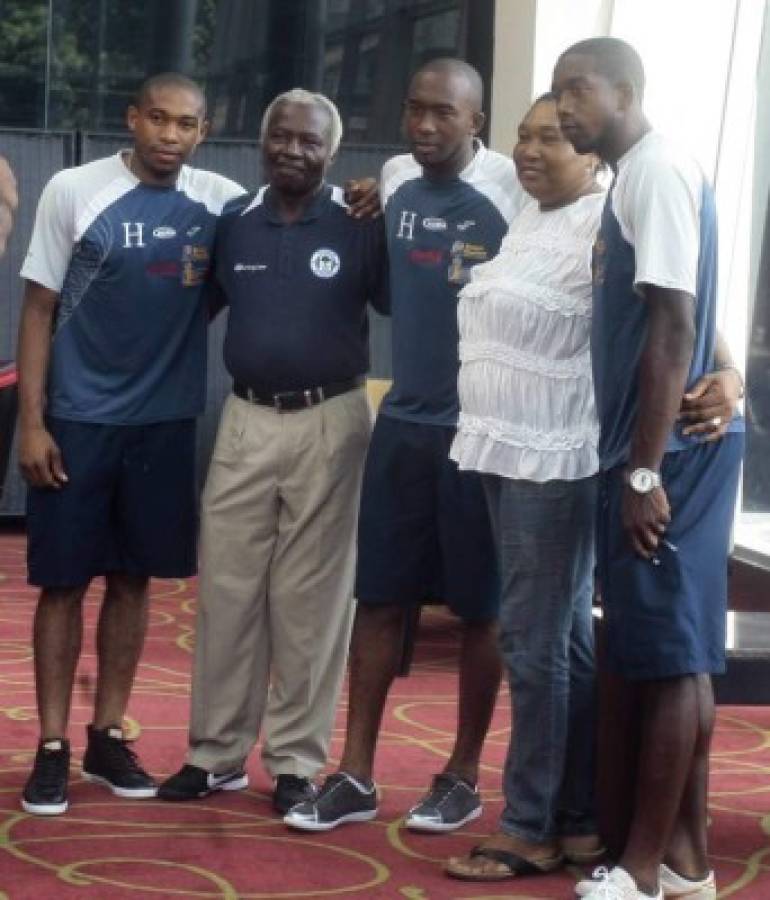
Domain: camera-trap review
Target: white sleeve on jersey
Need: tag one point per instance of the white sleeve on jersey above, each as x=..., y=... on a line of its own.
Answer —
x=209, y=188
x=53, y=235
x=657, y=204
x=395, y=172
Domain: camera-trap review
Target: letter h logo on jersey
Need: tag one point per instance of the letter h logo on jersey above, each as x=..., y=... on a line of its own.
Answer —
x=133, y=234
x=406, y=225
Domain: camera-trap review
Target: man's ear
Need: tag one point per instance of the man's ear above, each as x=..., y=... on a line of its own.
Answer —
x=205, y=129
x=626, y=95
x=132, y=115
x=478, y=122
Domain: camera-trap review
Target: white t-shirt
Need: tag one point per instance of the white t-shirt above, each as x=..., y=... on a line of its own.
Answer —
x=526, y=393
x=656, y=200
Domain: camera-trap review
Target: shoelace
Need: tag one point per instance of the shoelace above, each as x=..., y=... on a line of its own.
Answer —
x=120, y=753
x=604, y=887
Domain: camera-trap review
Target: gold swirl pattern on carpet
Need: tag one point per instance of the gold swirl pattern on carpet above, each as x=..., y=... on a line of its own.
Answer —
x=233, y=846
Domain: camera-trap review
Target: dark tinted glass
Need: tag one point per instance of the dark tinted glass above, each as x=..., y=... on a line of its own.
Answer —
x=76, y=63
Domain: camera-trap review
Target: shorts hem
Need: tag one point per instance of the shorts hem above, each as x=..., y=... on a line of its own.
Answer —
x=664, y=672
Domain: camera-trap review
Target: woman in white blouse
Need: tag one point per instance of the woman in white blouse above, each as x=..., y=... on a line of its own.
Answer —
x=527, y=422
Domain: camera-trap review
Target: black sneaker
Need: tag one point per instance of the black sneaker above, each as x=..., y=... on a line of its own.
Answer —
x=341, y=799
x=110, y=761
x=193, y=783
x=450, y=803
x=291, y=790
x=45, y=793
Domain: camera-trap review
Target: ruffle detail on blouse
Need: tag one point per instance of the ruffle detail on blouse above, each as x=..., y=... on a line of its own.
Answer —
x=481, y=452
x=534, y=363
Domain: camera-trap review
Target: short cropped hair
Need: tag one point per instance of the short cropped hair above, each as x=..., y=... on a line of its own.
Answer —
x=450, y=65
x=169, y=79
x=616, y=60
x=307, y=98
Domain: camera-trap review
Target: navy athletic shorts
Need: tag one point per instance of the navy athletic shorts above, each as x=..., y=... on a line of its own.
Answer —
x=424, y=531
x=665, y=617
x=129, y=505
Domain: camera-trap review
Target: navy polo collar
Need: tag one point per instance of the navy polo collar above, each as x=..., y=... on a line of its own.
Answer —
x=313, y=211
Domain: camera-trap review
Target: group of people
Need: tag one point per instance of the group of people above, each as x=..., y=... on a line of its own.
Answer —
x=555, y=365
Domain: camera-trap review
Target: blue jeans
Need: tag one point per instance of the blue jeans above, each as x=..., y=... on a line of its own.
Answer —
x=545, y=539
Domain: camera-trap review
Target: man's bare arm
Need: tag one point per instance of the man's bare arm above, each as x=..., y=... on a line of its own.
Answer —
x=39, y=456
x=9, y=201
x=713, y=400
x=663, y=370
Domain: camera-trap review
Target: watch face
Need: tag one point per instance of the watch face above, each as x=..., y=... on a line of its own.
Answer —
x=642, y=480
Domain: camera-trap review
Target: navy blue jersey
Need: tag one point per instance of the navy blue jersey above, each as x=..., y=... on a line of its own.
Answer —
x=298, y=292
x=437, y=231
x=658, y=227
x=129, y=262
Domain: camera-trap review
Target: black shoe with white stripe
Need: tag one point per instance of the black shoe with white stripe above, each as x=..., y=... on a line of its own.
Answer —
x=110, y=761
x=194, y=783
x=45, y=793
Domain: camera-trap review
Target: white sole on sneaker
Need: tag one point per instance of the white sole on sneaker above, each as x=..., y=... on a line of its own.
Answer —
x=678, y=888
x=415, y=823
x=126, y=793
x=310, y=825
x=44, y=809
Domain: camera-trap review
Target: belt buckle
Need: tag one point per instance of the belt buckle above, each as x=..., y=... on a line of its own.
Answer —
x=277, y=402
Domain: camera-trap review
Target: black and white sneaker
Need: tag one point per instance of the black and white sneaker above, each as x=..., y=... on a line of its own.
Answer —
x=110, y=761
x=291, y=790
x=194, y=783
x=340, y=799
x=450, y=804
x=45, y=793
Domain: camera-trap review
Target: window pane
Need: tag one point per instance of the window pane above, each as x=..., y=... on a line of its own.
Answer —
x=753, y=531
x=685, y=47
x=23, y=43
x=242, y=51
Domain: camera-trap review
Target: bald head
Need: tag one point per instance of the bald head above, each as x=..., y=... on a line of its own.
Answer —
x=173, y=80
x=464, y=79
x=614, y=59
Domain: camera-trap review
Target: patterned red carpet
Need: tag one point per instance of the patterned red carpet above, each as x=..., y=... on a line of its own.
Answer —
x=231, y=846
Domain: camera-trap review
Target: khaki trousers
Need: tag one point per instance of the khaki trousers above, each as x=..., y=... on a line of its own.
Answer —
x=278, y=522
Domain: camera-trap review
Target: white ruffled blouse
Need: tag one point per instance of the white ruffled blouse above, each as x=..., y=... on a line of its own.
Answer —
x=526, y=392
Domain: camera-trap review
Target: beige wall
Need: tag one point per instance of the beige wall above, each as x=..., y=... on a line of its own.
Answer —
x=512, y=70
x=529, y=35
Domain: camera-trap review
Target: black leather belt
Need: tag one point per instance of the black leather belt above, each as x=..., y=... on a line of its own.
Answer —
x=291, y=401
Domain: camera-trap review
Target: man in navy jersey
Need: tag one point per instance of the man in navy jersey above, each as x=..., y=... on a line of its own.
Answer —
x=666, y=496
x=112, y=362
x=424, y=532
x=280, y=505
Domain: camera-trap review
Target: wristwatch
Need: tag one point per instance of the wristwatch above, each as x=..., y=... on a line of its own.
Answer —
x=643, y=480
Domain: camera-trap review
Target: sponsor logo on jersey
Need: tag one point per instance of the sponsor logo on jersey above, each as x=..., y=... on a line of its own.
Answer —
x=195, y=264
x=164, y=232
x=324, y=263
x=432, y=223
x=422, y=257
x=465, y=224
x=193, y=231
x=463, y=257
x=249, y=267
x=163, y=268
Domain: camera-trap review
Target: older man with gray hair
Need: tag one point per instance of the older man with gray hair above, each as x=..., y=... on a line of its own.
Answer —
x=280, y=505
